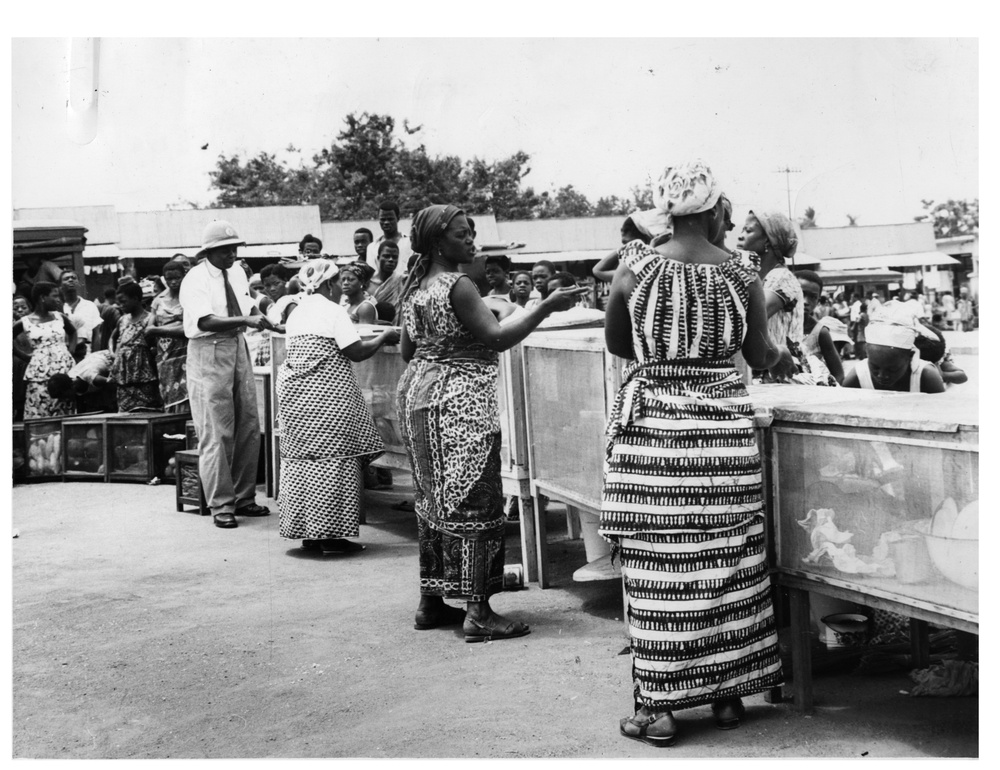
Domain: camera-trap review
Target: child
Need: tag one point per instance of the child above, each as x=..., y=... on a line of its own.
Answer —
x=819, y=353
x=936, y=351
x=893, y=362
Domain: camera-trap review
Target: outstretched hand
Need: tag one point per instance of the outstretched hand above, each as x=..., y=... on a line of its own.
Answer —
x=390, y=337
x=564, y=298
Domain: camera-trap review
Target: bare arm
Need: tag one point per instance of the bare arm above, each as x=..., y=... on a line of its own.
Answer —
x=604, y=270
x=830, y=355
x=951, y=374
x=221, y=323
x=930, y=380
x=18, y=331
x=366, y=313
x=362, y=349
x=758, y=348
x=617, y=320
x=168, y=330
x=480, y=321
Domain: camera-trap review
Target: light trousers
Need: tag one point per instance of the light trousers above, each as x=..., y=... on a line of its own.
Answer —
x=224, y=408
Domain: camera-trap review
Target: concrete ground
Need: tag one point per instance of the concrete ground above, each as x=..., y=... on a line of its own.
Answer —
x=141, y=632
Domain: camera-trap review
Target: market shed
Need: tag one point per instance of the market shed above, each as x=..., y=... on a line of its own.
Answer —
x=60, y=241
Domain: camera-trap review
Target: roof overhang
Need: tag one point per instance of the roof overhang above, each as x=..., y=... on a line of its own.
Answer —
x=890, y=261
x=860, y=276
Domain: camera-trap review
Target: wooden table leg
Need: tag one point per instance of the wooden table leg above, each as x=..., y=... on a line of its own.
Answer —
x=529, y=546
x=920, y=645
x=541, y=541
x=802, y=694
x=572, y=523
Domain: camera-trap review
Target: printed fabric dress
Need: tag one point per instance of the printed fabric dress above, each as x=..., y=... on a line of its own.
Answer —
x=683, y=503
x=49, y=355
x=450, y=424
x=171, y=356
x=327, y=433
x=134, y=368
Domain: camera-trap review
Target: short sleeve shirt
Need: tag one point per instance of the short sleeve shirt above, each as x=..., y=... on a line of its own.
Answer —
x=319, y=316
x=203, y=293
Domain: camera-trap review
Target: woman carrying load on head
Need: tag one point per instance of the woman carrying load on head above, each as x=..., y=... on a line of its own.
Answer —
x=447, y=400
x=682, y=503
x=328, y=436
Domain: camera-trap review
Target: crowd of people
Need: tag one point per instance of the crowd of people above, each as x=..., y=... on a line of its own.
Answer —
x=682, y=503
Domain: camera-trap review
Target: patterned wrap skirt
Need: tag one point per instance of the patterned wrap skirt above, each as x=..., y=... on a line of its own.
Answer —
x=451, y=428
x=327, y=438
x=683, y=508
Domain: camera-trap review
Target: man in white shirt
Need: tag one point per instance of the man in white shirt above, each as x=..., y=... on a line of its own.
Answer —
x=83, y=313
x=217, y=308
x=388, y=220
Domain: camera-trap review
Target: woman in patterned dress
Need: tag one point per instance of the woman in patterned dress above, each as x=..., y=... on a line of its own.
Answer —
x=134, y=367
x=328, y=436
x=447, y=400
x=771, y=236
x=52, y=336
x=682, y=502
x=167, y=329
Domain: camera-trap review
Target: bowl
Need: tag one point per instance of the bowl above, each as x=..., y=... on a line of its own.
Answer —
x=956, y=559
x=849, y=629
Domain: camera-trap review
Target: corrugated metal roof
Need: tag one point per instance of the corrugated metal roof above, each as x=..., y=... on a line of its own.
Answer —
x=183, y=229
x=101, y=221
x=829, y=243
x=338, y=237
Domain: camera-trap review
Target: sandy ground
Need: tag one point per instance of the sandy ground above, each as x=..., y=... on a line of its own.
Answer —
x=141, y=632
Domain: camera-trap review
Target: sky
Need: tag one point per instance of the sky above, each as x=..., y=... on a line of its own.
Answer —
x=871, y=126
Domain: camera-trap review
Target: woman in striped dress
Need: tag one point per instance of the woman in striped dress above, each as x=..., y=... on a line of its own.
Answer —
x=682, y=502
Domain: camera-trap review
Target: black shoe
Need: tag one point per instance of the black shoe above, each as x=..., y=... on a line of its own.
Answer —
x=728, y=713
x=253, y=510
x=225, y=520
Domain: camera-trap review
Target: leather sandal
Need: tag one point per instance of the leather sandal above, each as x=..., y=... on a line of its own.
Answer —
x=480, y=632
x=658, y=730
x=728, y=713
x=445, y=616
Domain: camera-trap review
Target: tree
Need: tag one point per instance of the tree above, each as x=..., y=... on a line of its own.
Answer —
x=953, y=217
x=809, y=220
x=852, y=220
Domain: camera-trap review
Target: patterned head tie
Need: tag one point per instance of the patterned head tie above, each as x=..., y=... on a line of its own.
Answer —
x=780, y=232
x=316, y=273
x=685, y=189
x=429, y=224
x=362, y=270
x=651, y=222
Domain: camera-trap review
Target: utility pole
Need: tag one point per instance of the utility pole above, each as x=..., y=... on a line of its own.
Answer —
x=788, y=185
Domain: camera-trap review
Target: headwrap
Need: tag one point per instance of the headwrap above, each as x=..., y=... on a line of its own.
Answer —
x=651, y=222
x=688, y=188
x=429, y=223
x=362, y=270
x=895, y=326
x=315, y=273
x=780, y=232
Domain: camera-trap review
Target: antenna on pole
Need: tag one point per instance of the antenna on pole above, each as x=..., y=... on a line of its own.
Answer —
x=788, y=184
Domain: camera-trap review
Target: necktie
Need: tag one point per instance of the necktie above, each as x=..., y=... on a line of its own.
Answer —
x=232, y=304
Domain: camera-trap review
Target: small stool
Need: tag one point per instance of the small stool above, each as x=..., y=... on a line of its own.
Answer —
x=189, y=491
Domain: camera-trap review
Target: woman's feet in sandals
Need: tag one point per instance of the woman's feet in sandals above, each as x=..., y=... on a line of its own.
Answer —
x=728, y=713
x=434, y=613
x=484, y=625
x=332, y=545
x=652, y=728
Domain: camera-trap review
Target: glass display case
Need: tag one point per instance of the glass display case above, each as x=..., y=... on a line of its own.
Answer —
x=84, y=441
x=277, y=342
x=875, y=501
x=19, y=454
x=570, y=383
x=43, y=449
x=378, y=377
x=262, y=385
x=140, y=446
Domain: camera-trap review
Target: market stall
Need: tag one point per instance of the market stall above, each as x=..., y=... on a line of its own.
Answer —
x=875, y=501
